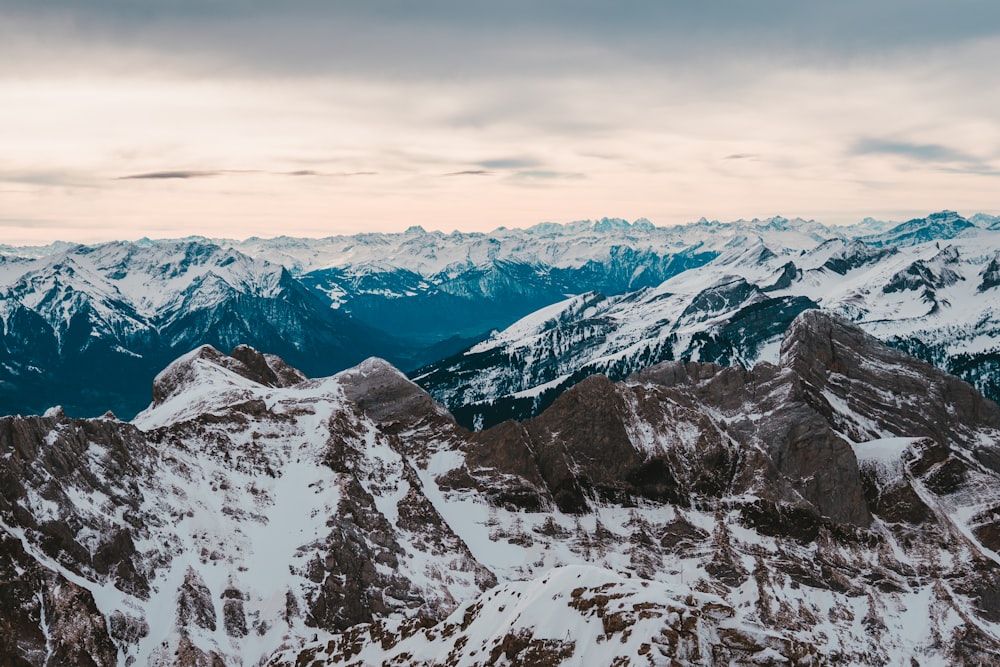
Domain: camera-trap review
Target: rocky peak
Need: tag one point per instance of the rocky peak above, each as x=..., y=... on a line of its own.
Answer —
x=845, y=371
x=206, y=364
x=176, y=376
x=386, y=395
x=855, y=254
x=266, y=369
x=948, y=255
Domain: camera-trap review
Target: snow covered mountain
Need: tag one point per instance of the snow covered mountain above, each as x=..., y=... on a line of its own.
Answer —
x=838, y=507
x=436, y=286
x=89, y=326
x=935, y=299
x=559, y=245
x=935, y=227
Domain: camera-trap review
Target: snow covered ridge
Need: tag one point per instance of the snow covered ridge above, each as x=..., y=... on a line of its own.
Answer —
x=575, y=615
x=571, y=245
x=709, y=514
x=560, y=245
x=932, y=298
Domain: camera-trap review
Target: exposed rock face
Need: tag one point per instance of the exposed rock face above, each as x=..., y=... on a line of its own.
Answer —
x=265, y=369
x=990, y=275
x=195, y=606
x=46, y=619
x=895, y=393
x=804, y=512
x=386, y=396
x=594, y=442
x=927, y=275
x=789, y=274
x=856, y=254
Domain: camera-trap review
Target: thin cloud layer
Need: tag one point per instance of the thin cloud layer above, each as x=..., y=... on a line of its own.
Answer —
x=920, y=152
x=930, y=154
x=186, y=174
x=160, y=175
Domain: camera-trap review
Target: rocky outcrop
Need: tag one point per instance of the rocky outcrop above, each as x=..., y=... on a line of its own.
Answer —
x=920, y=276
x=990, y=275
x=46, y=619
x=855, y=255
x=386, y=395
x=266, y=369
x=195, y=607
x=263, y=369
x=871, y=383
x=788, y=275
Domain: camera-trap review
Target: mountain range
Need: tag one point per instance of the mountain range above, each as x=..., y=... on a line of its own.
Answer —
x=837, y=506
x=723, y=443
x=927, y=287
x=87, y=327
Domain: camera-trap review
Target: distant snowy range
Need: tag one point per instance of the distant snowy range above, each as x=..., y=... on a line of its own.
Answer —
x=597, y=443
x=493, y=325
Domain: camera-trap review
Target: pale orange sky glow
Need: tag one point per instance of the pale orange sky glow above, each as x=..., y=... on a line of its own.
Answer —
x=166, y=125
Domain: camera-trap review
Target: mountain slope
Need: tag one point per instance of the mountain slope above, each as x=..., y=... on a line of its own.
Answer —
x=574, y=615
x=204, y=530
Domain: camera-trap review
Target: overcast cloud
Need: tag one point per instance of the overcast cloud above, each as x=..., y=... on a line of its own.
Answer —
x=125, y=118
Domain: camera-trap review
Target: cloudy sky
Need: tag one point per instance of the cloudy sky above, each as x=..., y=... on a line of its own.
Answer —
x=120, y=119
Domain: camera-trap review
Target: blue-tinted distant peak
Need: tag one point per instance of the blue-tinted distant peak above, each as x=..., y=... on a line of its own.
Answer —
x=935, y=227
